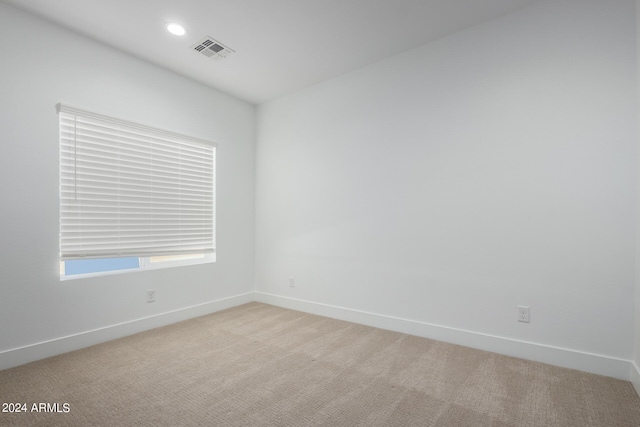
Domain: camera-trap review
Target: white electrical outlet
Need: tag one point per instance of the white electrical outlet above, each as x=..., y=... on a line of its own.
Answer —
x=292, y=282
x=151, y=295
x=523, y=314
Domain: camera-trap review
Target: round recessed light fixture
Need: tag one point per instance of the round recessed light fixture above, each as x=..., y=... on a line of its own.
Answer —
x=176, y=29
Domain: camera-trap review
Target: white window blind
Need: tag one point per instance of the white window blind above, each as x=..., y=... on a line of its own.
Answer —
x=132, y=190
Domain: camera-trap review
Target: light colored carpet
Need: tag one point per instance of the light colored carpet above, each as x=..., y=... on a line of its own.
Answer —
x=259, y=365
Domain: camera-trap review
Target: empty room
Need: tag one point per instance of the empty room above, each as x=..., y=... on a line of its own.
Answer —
x=301, y=213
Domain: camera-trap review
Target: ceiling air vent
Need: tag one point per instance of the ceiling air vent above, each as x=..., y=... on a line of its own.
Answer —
x=212, y=48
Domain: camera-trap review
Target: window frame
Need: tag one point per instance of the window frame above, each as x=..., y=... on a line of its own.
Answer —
x=145, y=265
x=149, y=260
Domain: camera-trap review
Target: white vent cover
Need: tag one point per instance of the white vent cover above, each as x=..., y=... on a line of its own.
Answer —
x=211, y=48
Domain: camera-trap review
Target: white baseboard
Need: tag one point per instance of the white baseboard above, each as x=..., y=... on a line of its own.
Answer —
x=19, y=356
x=587, y=362
x=635, y=377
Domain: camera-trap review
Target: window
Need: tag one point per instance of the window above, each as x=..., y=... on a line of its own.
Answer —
x=132, y=196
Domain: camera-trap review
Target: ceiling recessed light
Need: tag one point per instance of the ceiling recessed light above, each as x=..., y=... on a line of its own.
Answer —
x=176, y=29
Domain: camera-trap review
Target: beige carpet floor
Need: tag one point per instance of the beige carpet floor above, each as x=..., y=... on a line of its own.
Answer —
x=259, y=365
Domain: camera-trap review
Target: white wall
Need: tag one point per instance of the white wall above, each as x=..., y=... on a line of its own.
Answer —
x=449, y=184
x=42, y=65
x=635, y=371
